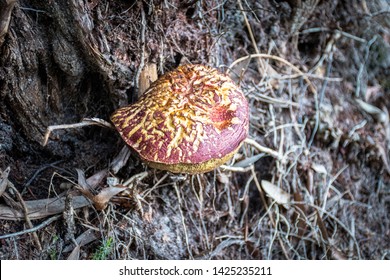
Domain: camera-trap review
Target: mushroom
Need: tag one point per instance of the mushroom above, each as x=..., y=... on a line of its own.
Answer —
x=190, y=120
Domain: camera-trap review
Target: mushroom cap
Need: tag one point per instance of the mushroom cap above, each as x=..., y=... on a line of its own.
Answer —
x=190, y=120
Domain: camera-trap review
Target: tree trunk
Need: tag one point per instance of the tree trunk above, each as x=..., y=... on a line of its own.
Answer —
x=53, y=69
x=65, y=60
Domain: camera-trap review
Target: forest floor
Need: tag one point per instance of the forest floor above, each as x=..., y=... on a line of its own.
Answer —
x=317, y=82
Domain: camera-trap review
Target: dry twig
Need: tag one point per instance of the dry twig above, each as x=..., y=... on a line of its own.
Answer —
x=33, y=229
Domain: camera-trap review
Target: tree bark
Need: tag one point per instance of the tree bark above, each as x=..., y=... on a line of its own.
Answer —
x=62, y=61
x=52, y=68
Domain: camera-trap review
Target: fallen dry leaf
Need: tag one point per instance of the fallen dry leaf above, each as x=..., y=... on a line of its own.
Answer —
x=280, y=196
x=75, y=255
x=101, y=199
x=319, y=168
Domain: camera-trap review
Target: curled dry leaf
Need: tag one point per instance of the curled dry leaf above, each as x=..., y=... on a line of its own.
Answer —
x=333, y=252
x=92, y=182
x=298, y=218
x=101, y=199
x=280, y=196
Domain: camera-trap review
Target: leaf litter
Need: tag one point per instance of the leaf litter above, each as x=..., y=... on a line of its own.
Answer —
x=335, y=183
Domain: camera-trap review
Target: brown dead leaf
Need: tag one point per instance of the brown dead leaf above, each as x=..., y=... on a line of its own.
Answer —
x=101, y=199
x=324, y=234
x=322, y=227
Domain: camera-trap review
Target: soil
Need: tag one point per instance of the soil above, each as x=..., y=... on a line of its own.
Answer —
x=315, y=74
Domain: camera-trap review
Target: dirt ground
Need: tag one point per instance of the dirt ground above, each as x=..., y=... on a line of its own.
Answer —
x=315, y=74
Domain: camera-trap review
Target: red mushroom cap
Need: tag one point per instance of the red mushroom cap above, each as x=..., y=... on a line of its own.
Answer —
x=190, y=120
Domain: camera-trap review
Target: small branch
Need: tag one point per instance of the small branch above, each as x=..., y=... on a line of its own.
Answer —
x=252, y=37
x=33, y=229
x=235, y=169
x=42, y=168
x=363, y=66
x=343, y=33
x=263, y=149
x=26, y=215
x=84, y=122
x=143, y=54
